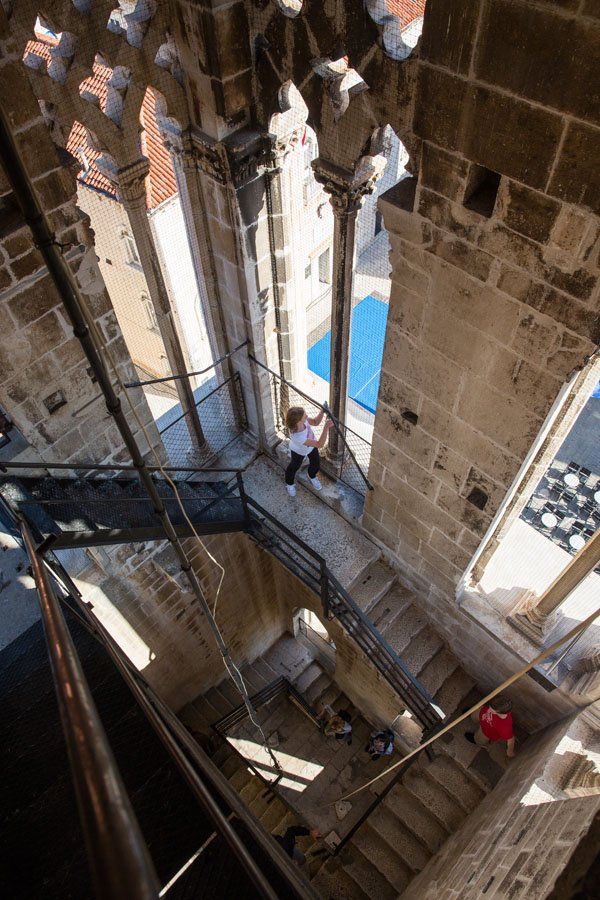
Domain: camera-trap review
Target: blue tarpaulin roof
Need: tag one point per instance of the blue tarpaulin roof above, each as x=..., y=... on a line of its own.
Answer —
x=367, y=334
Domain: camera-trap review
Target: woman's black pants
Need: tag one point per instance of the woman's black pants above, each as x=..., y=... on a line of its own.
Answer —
x=314, y=464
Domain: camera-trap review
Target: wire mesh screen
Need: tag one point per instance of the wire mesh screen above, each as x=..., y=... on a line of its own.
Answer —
x=353, y=467
x=222, y=413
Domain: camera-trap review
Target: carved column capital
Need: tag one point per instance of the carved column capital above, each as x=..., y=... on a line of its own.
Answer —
x=131, y=182
x=346, y=192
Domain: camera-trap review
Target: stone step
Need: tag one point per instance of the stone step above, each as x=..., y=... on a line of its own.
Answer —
x=404, y=628
x=274, y=814
x=422, y=647
x=230, y=692
x=330, y=697
x=195, y=720
x=430, y=793
x=318, y=687
x=287, y=657
x=455, y=688
x=262, y=667
x=219, y=702
x=241, y=777
x=254, y=680
x=371, y=585
x=308, y=677
x=408, y=809
x=206, y=709
x=333, y=882
x=455, y=781
x=251, y=792
x=400, y=838
x=393, y=604
x=366, y=876
x=381, y=855
x=437, y=670
x=230, y=766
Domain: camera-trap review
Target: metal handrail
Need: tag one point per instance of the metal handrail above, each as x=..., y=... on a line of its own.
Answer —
x=134, y=384
x=429, y=707
x=86, y=467
x=119, y=859
x=340, y=427
x=234, y=377
x=421, y=703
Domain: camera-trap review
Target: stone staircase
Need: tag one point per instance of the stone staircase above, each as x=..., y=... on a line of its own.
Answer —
x=391, y=608
x=420, y=812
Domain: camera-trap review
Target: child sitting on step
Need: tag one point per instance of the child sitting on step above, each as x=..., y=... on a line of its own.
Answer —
x=304, y=444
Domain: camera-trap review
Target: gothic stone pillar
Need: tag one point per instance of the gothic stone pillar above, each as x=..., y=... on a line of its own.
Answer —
x=534, y=617
x=193, y=205
x=232, y=174
x=130, y=181
x=346, y=196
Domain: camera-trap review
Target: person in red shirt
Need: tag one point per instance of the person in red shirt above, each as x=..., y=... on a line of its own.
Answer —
x=495, y=724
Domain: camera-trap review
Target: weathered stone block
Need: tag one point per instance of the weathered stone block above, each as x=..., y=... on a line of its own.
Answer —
x=449, y=33
x=396, y=394
x=421, y=367
x=406, y=310
x=410, y=438
x=468, y=443
x=462, y=255
x=503, y=148
x=538, y=54
x=456, y=339
x=456, y=554
x=443, y=172
x=478, y=305
x=463, y=511
x=515, y=377
x=535, y=336
x=503, y=419
x=450, y=467
x=576, y=177
x=529, y=212
x=449, y=216
x=439, y=107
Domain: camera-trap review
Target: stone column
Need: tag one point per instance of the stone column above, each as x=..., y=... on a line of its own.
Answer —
x=193, y=205
x=534, y=617
x=345, y=195
x=131, y=184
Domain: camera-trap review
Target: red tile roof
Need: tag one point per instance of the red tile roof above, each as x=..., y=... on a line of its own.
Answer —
x=406, y=10
x=161, y=183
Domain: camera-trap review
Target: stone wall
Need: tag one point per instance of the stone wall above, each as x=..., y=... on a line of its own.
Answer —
x=140, y=595
x=495, y=298
x=525, y=832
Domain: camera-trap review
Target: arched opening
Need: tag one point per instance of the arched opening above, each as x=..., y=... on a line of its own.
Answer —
x=550, y=514
x=310, y=631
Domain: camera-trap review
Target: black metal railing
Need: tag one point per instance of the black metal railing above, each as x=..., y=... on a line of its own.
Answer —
x=311, y=568
x=353, y=466
x=222, y=413
x=53, y=504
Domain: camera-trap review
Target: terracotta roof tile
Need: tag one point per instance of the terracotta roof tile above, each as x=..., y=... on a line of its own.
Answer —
x=161, y=183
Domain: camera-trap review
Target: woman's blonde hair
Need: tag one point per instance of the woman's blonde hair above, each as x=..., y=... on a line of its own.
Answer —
x=293, y=417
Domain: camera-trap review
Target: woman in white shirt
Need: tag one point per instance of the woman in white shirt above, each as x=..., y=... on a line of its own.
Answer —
x=304, y=444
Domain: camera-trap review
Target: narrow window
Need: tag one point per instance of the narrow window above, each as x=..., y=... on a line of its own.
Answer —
x=378, y=222
x=325, y=267
x=150, y=313
x=130, y=248
x=307, y=271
